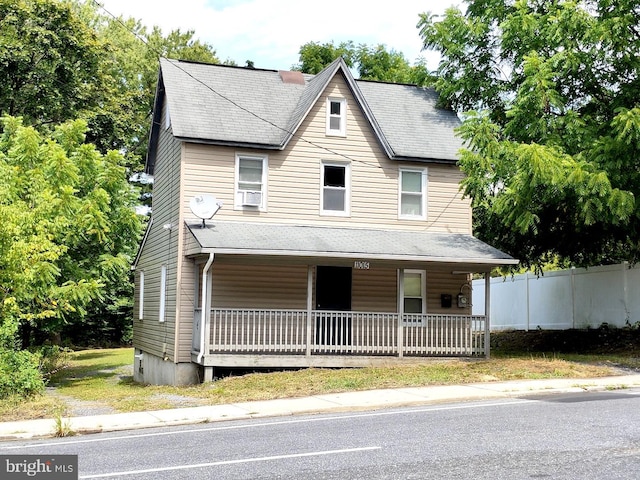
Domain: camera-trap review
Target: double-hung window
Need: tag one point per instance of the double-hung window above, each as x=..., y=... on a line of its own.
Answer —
x=414, y=291
x=251, y=182
x=335, y=190
x=337, y=116
x=412, y=194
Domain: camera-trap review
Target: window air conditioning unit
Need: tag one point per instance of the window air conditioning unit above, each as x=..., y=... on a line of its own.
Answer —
x=251, y=199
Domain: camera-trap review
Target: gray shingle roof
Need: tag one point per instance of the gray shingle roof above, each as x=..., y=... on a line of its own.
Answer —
x=330, y=242
x=252, y=107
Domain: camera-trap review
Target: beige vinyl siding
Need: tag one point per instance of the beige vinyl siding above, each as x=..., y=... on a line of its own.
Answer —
x=187, y=298
x=441, y=281
x=285, y=287
x=374, y=290
x=260, y=286
x=136, y=295
x=294, y=177
x=161, y=247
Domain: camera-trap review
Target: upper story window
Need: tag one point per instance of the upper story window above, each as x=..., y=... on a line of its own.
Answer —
x=337, y=116
x=251, y=182
x=335, y=191
x=412, y=194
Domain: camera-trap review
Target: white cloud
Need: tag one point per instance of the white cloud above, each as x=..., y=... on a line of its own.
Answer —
x=271, y=32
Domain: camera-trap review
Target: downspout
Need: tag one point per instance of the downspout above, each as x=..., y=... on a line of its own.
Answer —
x=203, y=319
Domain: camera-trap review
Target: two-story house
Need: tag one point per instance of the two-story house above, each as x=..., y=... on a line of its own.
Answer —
x=338, y=236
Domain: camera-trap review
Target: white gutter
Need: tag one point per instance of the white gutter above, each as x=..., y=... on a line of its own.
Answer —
x=361, y=255
x=203, y=319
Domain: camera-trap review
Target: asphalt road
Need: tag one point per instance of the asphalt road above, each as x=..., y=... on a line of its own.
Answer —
x=583, y=436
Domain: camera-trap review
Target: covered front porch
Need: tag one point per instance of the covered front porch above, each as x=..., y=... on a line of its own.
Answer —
x=321, y=338
x=287, y=296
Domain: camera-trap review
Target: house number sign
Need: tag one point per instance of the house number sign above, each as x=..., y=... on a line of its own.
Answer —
x=360, y=265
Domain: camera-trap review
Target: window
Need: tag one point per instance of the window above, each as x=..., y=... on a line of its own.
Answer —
x=163, y=293
x=251, y=182
x=337, y=116
x=413, y=194
x=334, y=195
x=141, y=297
x=414, y=291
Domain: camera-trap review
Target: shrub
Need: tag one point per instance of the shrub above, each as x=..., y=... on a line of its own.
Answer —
x=19, y=374
x=52, y=359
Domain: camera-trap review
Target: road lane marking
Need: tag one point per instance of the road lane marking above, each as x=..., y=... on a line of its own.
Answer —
x=230, y=462
x=326, y=418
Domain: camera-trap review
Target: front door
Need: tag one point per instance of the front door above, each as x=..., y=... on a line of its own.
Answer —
x=333, y=292
x=333, y=288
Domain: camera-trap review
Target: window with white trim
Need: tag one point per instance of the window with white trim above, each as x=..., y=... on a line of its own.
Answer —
x=141, y=296
x=414, y=291
x=163, y=293
x=251, y=182
x=335, y=189
x=412, y=194
x=337, y=116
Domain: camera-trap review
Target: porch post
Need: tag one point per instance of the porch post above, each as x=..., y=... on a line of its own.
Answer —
x=209, y=306
x=400, y=312
x=487, y=314
x=309, y=309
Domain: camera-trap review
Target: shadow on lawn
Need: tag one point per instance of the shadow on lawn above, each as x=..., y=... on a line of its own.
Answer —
x=96, y=370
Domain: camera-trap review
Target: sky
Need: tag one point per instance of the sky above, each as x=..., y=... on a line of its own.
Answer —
x=271, y=32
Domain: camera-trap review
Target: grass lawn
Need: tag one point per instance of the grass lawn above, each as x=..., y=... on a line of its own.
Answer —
x=103, y=379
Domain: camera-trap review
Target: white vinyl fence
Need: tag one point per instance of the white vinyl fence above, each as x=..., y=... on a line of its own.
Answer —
x=575, y=298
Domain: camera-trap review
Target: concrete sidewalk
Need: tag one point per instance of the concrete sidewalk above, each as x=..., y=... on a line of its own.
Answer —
x=336, y=402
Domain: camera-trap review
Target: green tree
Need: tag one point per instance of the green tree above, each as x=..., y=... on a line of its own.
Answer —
x=315, y=56
x=49, y=62
x=378, y=63
x=63, y=59
x=130, y=60
x=69, y=229
x=372, y=63
x=548, y=91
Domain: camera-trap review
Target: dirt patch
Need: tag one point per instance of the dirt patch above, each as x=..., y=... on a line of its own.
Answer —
x=80, y=408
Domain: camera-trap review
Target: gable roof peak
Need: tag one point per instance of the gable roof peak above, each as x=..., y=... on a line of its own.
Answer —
x=255, y=108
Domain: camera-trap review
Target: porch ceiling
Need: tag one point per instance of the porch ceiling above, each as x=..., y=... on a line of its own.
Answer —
x=266, y=239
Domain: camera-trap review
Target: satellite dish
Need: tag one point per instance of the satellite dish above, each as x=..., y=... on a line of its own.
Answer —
x=204, y=206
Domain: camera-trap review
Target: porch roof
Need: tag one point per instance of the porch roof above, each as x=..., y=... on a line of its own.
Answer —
x=266, y=239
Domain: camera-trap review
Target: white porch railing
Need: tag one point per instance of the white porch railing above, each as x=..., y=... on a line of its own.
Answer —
x=261, y=331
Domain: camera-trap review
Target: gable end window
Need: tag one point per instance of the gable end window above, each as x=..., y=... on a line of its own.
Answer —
x=251, y=183
x=335, y=189
x=412, y=194
x=337, y=116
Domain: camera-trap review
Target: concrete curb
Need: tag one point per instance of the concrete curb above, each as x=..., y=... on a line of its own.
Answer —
x=335, y=402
